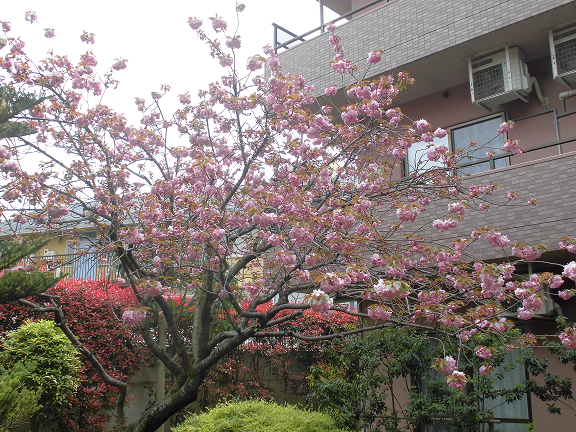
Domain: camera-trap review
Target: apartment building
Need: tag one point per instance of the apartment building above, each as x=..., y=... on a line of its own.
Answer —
x=476, y=64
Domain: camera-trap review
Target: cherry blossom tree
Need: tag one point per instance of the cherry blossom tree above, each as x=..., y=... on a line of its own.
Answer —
x=257, y=194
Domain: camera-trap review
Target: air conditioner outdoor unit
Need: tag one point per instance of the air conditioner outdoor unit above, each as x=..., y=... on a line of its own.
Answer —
x=498, y=78
x=563, y=54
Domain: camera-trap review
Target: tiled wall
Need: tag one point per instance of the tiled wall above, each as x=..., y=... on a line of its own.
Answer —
x=408, y=30
x=550, y=181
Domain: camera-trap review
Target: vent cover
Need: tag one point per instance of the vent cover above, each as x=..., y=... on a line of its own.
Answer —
x=488, y=82
x=498, y=78
x=563, y=54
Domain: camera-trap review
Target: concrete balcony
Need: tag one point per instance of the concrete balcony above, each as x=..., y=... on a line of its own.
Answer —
x=430, y=40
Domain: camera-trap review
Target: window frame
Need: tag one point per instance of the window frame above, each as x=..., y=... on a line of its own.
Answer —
x=451, y=146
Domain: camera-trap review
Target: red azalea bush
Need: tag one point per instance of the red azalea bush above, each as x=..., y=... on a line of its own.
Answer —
x=92, y=309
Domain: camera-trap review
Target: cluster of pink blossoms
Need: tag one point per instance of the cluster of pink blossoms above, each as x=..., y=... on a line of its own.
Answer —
x=513, y=146
x=446, y=365
x=568, y=338
x=152, y=288
x=134, y=316
x=570, y=270
x=408, y=213
x=484, y=352
x=319, y=301
x=497, y=239
x=443, y=225
x=379, y=313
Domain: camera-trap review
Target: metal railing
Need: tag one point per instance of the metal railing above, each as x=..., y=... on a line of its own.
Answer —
x=88, y=265
x=558, y=143
x=321, y=28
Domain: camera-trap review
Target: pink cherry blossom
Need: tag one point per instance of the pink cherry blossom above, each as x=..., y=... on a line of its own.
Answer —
x=497, y=239
x=379, y=313
x=374, y=57
x=49, y=33
x=422, y=124
x=218, y=24
x=134, y=316
x=349, y=117
x=408, y=213
x=240, y=7
x=457, y=208
x=443, y=225
x=446, y=366
x=233, y=43
x=254, y=63
x=505, y=126
x=566, y=294
x=527, y=252
x=570, y=270
x=483, y=352
x=87, y=37
x=119, y=64
x=457, y=380
x=31, y=17
x=6, y=26
x=194, y=23
x=152, y=288
x=331, y=91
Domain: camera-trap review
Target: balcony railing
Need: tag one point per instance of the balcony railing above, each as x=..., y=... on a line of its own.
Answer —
x=79, y=265
x=320, y=29
x=557, y=143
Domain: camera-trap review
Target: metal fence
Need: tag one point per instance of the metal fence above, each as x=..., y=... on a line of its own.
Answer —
x=84, y=265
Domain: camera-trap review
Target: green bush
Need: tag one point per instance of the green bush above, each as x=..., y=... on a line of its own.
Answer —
x=53, y=363
x=17, y=404
x=258, y=416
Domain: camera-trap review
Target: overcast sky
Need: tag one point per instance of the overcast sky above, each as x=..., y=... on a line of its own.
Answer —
x=154, y=36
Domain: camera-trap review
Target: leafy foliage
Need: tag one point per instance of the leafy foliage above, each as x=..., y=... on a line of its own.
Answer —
x=17, y=404
x=55, y=375
x=92, y=309
x=13, y=103
x=275, y=367
x=258, y=416
x=357, y=381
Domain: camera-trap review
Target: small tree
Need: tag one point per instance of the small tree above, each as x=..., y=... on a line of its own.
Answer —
x=56, y=364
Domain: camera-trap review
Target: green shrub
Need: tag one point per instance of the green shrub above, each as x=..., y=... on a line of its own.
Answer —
x=53, y=363
x=17, y=404
x=258, y=416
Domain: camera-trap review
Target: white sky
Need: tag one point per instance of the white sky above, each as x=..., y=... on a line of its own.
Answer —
x=154, y=36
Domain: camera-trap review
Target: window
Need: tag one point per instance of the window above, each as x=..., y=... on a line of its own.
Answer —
x=417, y=160
x=482, y=131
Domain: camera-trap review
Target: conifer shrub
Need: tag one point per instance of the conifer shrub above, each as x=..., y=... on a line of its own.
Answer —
x=258, y=416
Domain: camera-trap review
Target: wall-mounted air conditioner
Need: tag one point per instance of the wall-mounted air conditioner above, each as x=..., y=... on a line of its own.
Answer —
x=498, y=78
x=563, y=54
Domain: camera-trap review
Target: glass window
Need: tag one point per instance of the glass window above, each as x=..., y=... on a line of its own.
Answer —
x=484, y=133
x=417, y=159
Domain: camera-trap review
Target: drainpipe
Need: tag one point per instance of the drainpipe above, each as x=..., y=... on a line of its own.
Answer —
x=543, y=100
x=565, y=95
x=321, y=15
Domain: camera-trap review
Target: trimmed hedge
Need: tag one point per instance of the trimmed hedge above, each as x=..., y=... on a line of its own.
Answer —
x=258, y=416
